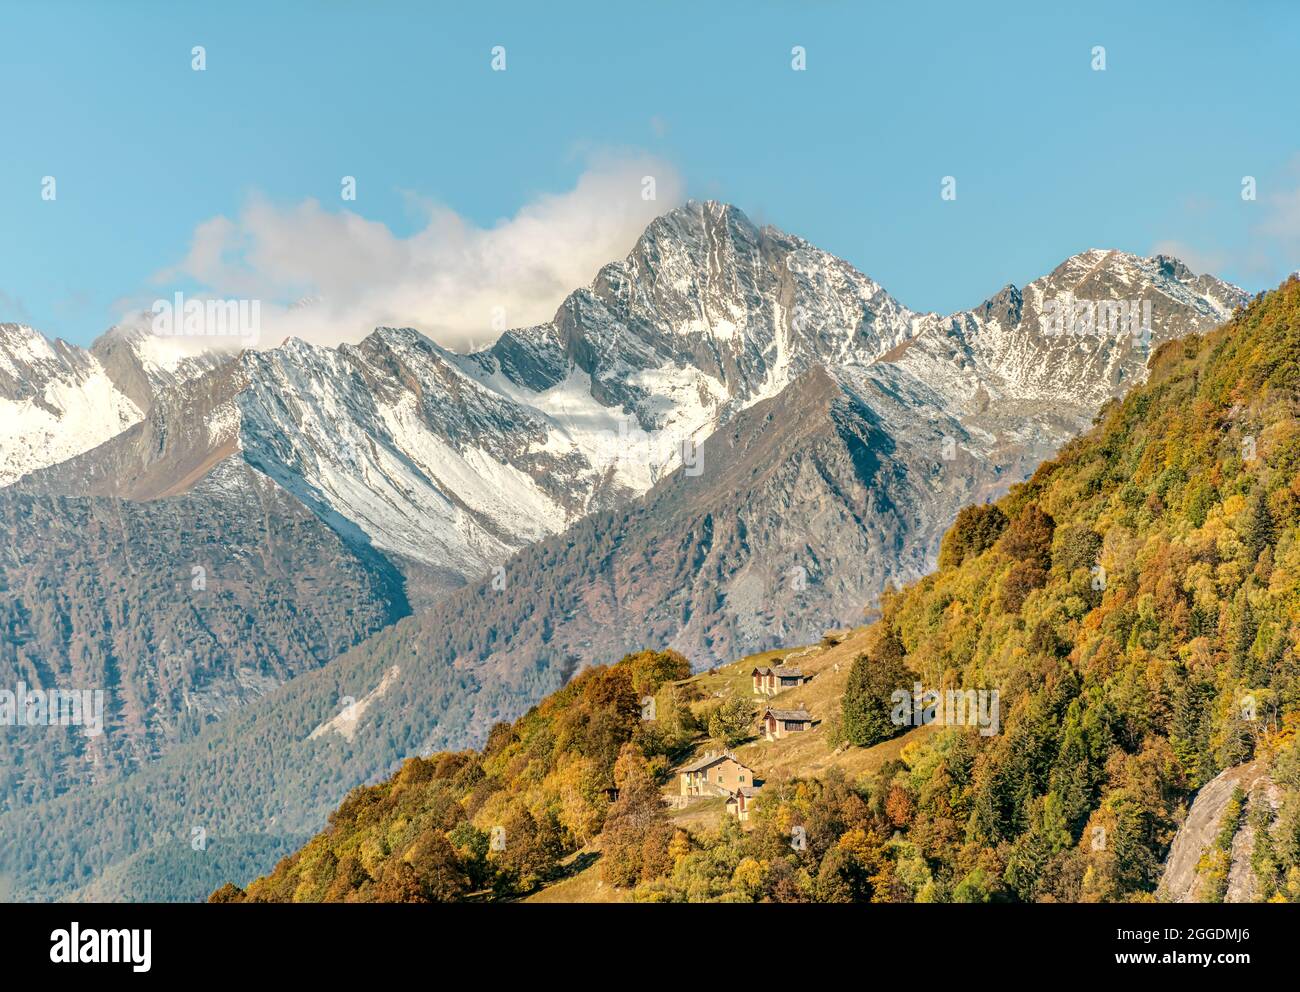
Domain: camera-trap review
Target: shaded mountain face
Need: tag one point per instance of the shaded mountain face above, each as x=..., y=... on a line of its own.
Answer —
x=177, y=611
x=786, y=523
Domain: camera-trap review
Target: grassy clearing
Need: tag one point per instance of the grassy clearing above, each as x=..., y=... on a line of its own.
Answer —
x=806, y=754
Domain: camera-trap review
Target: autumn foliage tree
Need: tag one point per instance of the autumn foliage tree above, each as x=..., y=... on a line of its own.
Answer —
x=973, y=532
x=732, y=722
x=637, y=835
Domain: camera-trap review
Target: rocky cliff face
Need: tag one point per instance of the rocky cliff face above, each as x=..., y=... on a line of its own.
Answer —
x=1186, y=869
x=178, y=610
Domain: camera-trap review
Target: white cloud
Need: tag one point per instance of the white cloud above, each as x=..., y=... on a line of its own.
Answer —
x=449, y=280
x=1201, y=262
x=1258, y=239
x=1282, y=223
x=13, y=310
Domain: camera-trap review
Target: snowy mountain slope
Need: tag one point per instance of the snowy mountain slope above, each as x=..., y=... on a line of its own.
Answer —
x=1003, y=351
x=393, y=437
x=58, y=401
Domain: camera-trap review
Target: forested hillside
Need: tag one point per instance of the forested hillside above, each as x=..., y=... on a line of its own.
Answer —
x=1136, y=606
x=427, y=834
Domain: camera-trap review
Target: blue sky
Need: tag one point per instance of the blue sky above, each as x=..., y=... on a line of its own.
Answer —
x=1050, y=157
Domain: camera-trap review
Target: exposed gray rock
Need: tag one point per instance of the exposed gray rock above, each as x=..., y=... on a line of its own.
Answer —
x=1181, y=881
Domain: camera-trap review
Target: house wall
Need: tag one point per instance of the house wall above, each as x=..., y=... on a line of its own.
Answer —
x=729, y=775
x=770, y=685
x=733, y=775
x=739, y=809
x=776, y=729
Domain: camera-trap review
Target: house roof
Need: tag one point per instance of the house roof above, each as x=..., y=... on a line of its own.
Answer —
x=782, y=672
x=783, y=715
x=712, y=759
x=761, y=671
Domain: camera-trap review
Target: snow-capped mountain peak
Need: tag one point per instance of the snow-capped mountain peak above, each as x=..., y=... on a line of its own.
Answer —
x=449, y=462
x=56, y=401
